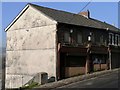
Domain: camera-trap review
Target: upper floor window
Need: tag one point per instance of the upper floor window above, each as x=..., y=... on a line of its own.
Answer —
x=116, y=39
x=79, y=38
x=93, y=38
x=111, y=39
x=119, y=41
x=101, y=40
x=66, y=37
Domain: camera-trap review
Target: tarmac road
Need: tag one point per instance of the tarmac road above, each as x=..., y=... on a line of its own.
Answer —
x=110, y=80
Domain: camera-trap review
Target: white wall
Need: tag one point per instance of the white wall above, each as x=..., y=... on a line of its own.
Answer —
x=31, y=48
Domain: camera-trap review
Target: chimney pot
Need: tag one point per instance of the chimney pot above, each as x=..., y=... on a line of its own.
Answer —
x=85, y=14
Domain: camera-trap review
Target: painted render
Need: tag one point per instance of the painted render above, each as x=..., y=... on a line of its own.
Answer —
x=31, y=48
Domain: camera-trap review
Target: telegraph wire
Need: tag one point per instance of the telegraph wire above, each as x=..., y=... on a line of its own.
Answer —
x=81, y=10
x=86, y=5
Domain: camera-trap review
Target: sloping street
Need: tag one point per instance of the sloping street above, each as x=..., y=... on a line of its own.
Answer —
x=110, y=80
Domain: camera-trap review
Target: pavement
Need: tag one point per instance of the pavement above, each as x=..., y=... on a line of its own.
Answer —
x=101, y=79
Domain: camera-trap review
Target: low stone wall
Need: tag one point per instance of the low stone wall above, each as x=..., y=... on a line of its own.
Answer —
x=15, y=81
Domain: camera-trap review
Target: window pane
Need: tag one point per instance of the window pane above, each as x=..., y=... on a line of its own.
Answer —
x=79, y=38
x=101, y=40
x=110, y=39
x=66, y=37
x=116, y=39
x=119, y=40
x=113, y=41
x=93, y=38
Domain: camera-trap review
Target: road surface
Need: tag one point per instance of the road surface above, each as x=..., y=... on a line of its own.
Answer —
x=104, y=81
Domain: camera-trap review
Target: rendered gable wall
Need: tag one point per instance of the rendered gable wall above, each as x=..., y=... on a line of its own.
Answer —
x=31, y=48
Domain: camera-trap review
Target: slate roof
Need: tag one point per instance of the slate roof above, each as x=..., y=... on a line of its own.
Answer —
x=74, y=19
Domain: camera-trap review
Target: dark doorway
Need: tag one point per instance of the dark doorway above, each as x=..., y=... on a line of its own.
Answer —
x=71, y=65
x=62, y=65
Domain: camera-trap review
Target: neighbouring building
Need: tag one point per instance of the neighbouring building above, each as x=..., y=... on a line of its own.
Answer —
x=60, y=43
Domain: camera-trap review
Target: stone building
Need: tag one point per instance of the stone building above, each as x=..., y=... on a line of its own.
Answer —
x=60, y=43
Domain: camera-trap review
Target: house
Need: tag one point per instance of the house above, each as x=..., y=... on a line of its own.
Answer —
x=60, y=43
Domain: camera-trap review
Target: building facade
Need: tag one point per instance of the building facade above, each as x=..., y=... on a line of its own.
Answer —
x=60, y=43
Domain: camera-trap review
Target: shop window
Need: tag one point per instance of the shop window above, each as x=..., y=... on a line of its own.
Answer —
x=75, y=61
x=99, y=60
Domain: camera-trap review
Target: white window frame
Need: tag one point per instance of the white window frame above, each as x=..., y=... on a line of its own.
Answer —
x=110, y=34
x=116, y=39
x=113, y=39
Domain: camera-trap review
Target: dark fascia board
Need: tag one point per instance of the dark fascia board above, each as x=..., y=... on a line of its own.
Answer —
x=113, y=31
x=84, y=26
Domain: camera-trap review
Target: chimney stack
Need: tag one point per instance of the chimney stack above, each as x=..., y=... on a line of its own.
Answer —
x=85, y=14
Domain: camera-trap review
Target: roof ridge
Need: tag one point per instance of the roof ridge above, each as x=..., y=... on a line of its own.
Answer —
x=57, y=10
x=34, y=5
x=92, y=19
x=51, y=8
